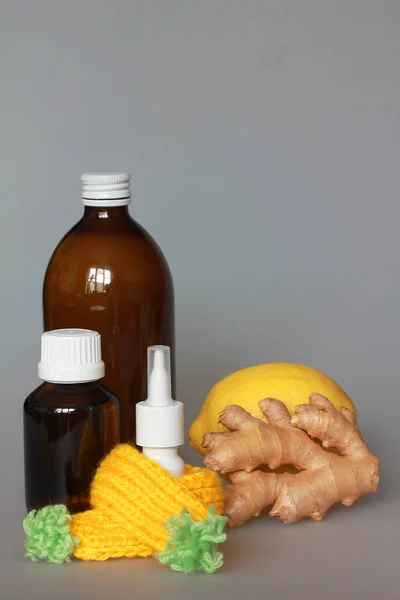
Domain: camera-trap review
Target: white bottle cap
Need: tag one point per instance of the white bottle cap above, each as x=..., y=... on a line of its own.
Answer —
x=159, y=420
x=106, y=189
x=71, y=356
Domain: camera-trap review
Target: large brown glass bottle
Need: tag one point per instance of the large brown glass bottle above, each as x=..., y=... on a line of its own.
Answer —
x=107, y=274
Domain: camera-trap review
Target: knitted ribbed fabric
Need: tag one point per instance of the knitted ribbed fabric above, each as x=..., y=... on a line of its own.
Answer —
x=133, y=498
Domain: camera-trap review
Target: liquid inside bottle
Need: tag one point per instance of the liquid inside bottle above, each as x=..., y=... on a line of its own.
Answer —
x=68, y=429
x=108, y=274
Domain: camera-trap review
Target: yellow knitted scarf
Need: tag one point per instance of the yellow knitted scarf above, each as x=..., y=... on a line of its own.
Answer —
x=133, y=498
x=139, y=509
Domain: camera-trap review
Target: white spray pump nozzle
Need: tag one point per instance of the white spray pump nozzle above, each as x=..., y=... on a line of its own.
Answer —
x=159, y=376
x=159, y=420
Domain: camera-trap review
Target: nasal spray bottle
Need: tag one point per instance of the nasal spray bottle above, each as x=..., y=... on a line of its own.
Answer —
x=159, y=420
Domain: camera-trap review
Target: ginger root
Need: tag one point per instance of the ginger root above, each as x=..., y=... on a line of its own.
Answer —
x=323, y=478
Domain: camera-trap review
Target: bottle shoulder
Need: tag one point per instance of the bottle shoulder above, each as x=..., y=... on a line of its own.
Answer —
x=123, y=252
x=53, y=396
x=119, y=235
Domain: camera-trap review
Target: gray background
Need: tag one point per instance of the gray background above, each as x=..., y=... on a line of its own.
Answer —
x=263, y=140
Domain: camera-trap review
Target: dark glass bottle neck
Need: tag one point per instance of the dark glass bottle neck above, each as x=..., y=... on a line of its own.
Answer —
x=72, y=387
x=86, y=388
x=106, y=212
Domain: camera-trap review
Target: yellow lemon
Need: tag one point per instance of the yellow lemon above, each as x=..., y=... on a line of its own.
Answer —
x=290, y=383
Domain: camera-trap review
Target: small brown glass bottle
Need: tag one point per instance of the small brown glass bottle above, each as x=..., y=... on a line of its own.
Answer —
x=70, y=421
x=108, y=274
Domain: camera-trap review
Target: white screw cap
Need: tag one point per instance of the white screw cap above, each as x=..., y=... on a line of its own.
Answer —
x=106, y=189
x=71, y=356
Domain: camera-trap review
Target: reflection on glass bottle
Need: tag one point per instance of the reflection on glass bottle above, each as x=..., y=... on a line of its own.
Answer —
x=97, y=280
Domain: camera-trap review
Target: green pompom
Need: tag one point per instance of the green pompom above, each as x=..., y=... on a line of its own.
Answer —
x=193, y=546
x=48, y=535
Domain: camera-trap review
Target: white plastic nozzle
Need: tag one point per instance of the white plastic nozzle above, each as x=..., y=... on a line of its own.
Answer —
x=159, y=376
x=71, y=356
x=159, y=420
x=106, y=189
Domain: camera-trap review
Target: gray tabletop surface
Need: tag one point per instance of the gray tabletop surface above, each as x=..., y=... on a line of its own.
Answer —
x=352, y=554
